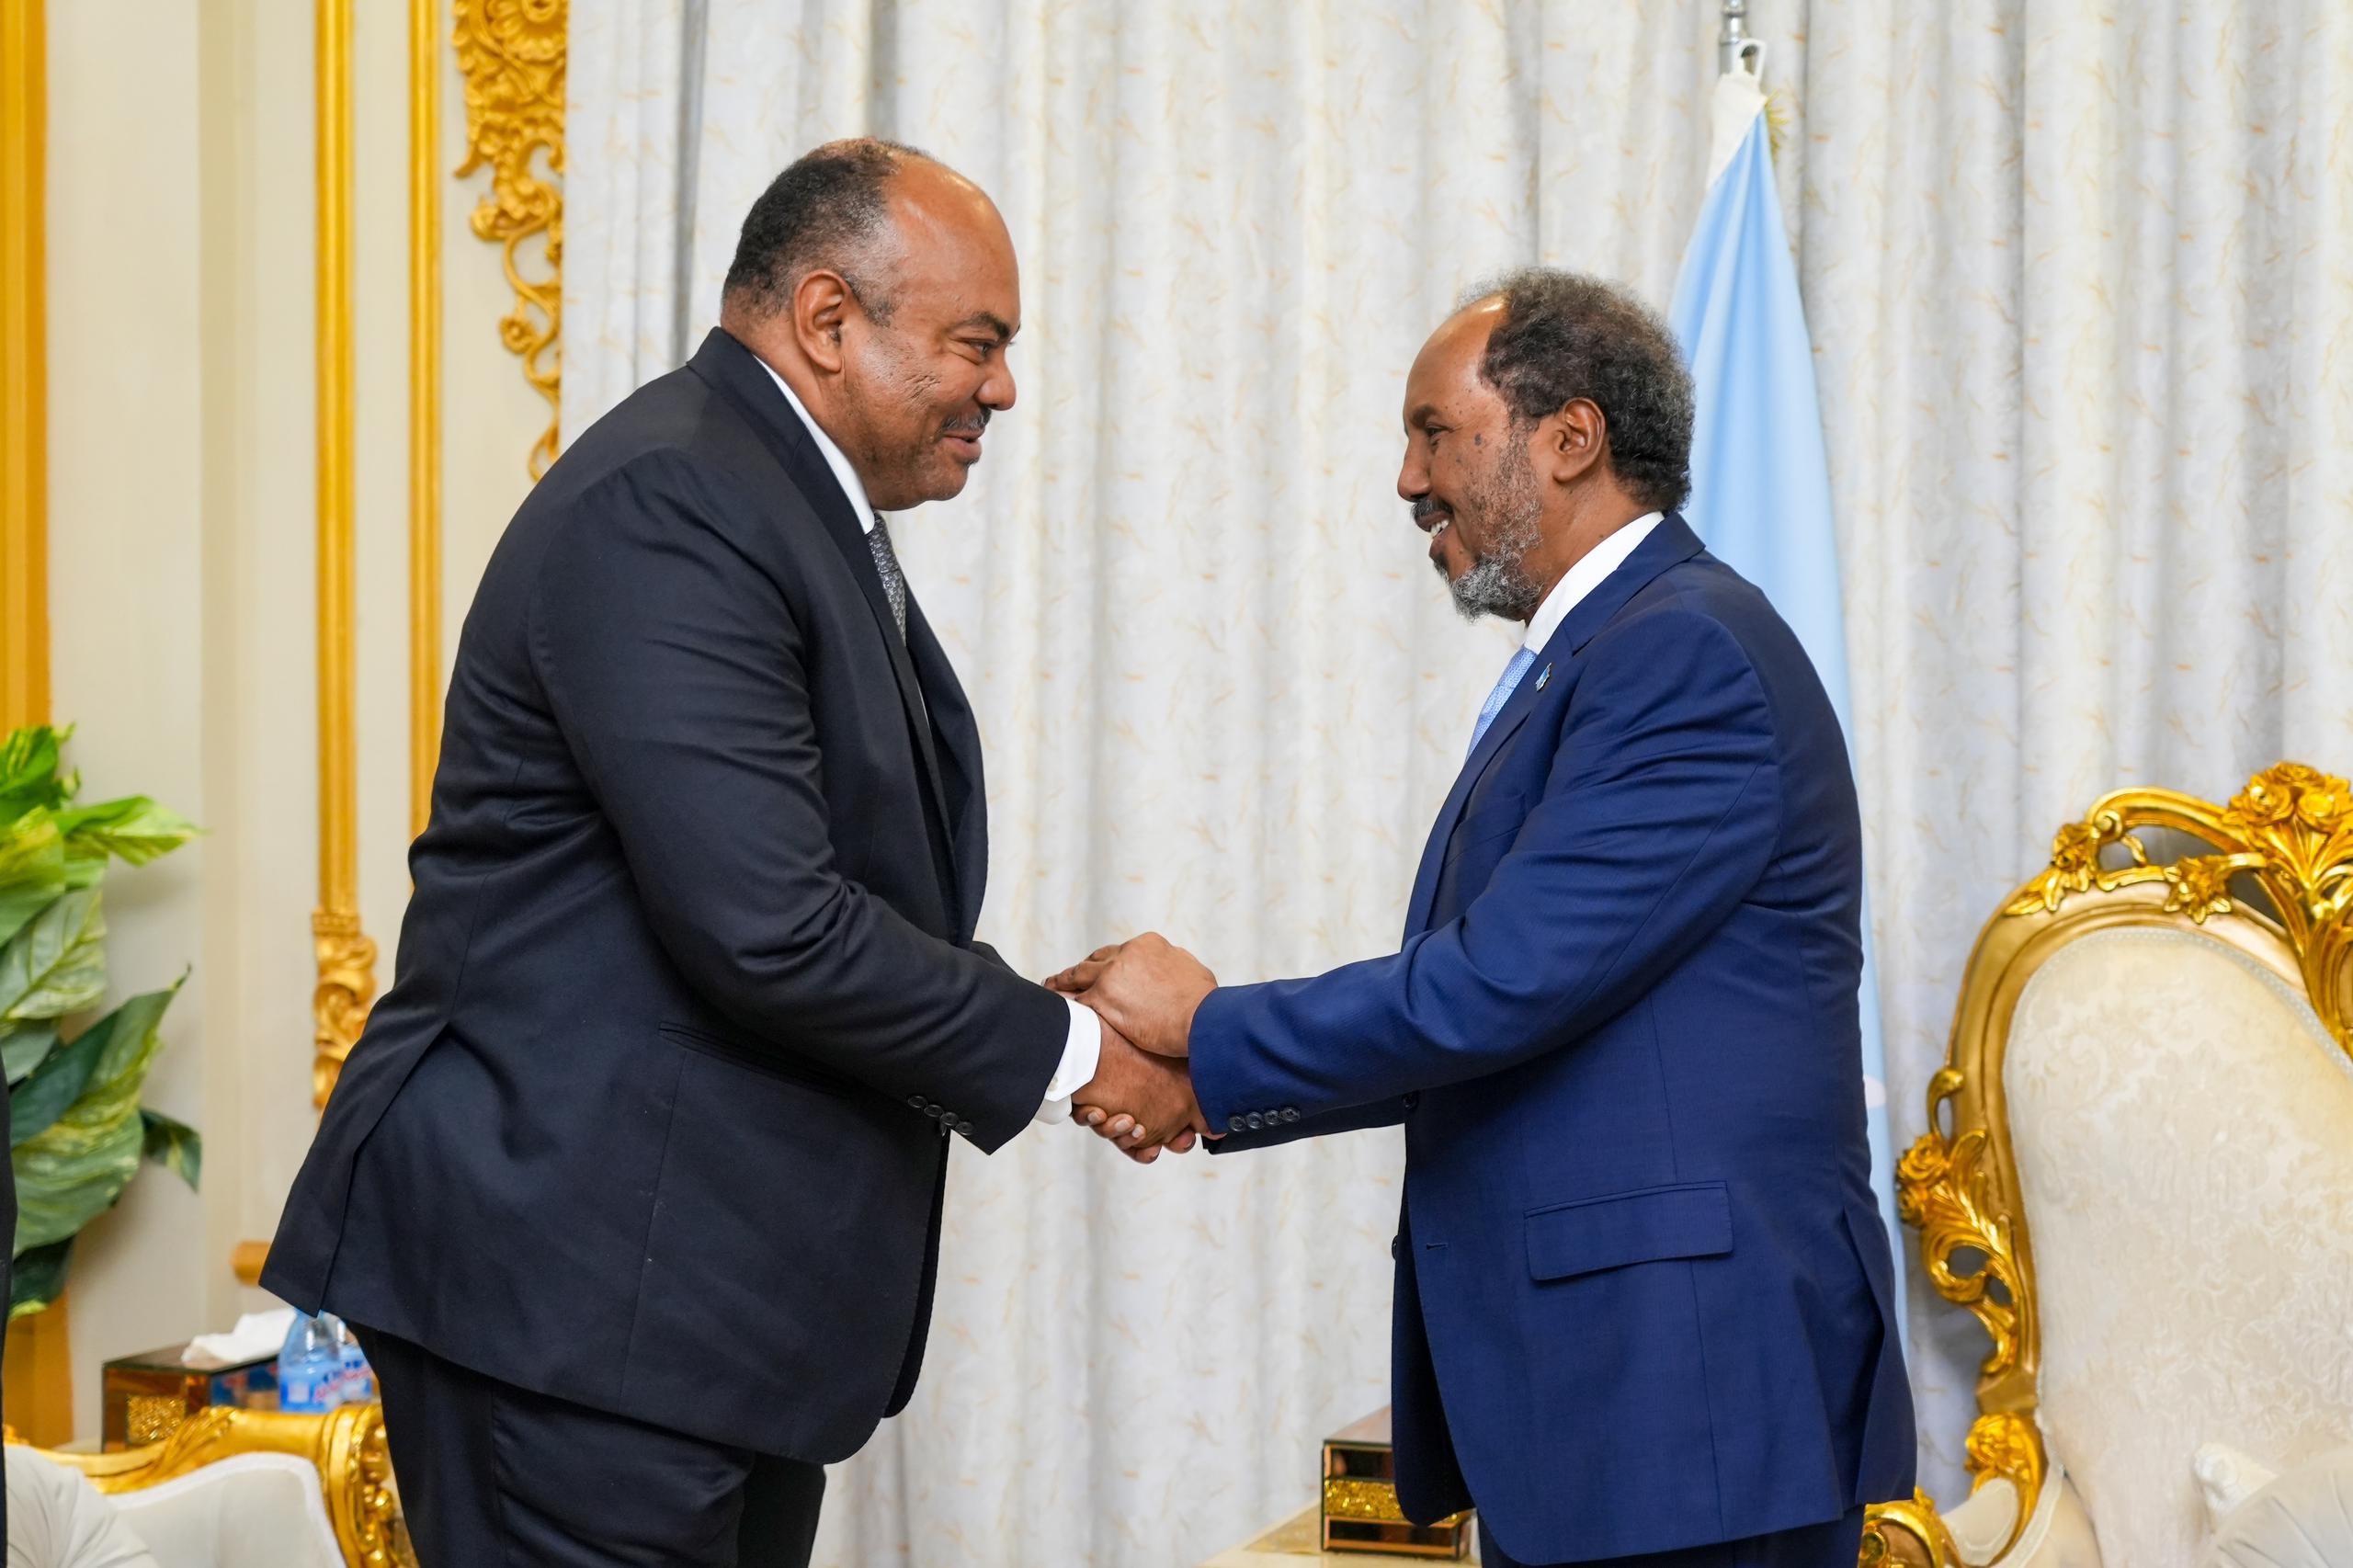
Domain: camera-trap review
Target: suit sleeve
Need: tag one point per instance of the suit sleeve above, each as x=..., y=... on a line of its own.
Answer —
x=1659, y=815
x=1232, y=1140
x=678, y=679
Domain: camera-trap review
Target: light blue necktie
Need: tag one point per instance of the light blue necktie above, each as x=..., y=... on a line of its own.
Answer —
x=1502, y=694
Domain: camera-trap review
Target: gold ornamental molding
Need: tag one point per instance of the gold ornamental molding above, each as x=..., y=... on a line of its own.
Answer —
x=40, y=1360
x=512, y=55
x=23, y=367
x=2274, y=881
x=346, y=959
x=424, y=406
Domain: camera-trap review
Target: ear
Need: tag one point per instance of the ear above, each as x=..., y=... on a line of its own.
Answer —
x=1573, y=443
x=821, y=305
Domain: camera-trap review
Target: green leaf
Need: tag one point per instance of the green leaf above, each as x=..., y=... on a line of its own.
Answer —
x=174, y=1145
x=24, y=1047
x=134, y=829
x=28, y=771
x=75, y=1169
x=32, y=869
x=37, y=1278
x=57, y=1083
x=72, y=1172
x=57, y=964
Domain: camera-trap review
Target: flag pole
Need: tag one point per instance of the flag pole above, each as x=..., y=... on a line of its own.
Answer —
x=1733, y=39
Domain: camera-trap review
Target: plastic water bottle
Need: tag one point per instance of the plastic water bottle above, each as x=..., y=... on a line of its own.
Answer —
x=321, y=1366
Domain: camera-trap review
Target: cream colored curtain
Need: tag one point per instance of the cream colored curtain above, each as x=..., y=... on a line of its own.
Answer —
x=2082, y=293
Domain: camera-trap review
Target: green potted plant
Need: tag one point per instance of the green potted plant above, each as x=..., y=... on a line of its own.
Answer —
x=76, y=1131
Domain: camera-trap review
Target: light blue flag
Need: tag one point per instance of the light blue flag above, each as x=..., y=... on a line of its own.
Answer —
x=1760, y=482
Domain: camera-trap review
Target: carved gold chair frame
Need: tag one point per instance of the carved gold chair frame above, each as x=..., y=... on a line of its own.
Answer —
x=2274, y=881
x=347, y=1444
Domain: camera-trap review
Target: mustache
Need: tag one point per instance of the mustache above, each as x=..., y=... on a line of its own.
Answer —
x=1426, y=508
x=970, y=425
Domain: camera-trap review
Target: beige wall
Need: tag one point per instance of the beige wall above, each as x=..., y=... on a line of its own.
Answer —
x=181, y=203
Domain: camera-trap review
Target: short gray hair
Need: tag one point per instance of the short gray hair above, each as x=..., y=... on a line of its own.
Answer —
x=1563, y=336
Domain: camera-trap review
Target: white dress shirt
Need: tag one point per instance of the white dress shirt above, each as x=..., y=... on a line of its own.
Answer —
x=1085, y=1044
x=1583, y=578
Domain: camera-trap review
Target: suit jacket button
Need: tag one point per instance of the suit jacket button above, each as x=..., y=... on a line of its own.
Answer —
x=1255, y=1121
x=965, y=1128
x=935, y=1112
x=1413, y=1098
x=917, y=1101
x=1392, y=1249
x=1235, y=1123
x=1291, y=1113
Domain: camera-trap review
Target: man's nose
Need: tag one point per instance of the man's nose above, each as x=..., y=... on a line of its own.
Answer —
x=997, y=392
x=1413, y=477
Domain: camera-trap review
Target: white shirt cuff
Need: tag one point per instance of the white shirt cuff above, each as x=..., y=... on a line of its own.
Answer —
x=1079, y=1058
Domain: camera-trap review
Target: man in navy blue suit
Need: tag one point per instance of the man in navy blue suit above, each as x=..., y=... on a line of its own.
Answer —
x=1643, y=1295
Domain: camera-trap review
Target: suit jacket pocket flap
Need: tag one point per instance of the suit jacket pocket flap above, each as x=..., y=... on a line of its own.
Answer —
x=1648, y=1226
x=751, y=1058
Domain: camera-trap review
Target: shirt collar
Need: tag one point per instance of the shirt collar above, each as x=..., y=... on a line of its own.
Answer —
x=1590, y=571
x=835, y=459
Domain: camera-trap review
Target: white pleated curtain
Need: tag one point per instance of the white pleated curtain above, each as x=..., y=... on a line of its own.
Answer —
x=2081, y=291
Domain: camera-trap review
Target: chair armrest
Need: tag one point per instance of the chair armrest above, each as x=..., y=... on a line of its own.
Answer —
x=346, y=1446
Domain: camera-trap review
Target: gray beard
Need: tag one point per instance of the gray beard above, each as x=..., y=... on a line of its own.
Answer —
x=1494, y=585
x=1497, y=582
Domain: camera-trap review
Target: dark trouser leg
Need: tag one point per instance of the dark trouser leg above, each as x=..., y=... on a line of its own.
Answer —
x=779, y=1523
x=1832, y=1545
x=494, y=1476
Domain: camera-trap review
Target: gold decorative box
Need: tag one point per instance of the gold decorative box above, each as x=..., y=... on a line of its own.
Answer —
x=1360, y=1511
x=144, y=1399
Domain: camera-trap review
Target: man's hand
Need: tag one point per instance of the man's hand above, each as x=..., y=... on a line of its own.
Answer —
x=1147, y=988
x=1151, y=1098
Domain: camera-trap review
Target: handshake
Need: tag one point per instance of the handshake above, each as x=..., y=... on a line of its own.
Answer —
x=1145, y=991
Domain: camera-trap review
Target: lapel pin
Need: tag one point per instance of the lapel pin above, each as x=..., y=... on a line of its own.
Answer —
x=1541, y=678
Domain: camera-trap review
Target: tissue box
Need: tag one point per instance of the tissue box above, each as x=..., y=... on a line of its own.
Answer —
x=1360, y=1511
x=142, y=1399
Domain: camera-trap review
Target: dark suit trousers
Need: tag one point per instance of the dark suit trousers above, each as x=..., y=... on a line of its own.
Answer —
x=494, y=1476
x=1834, y=1545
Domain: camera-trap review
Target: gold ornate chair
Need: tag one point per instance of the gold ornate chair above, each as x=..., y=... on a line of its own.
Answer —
x=345, y=1446
x=2150, y=1060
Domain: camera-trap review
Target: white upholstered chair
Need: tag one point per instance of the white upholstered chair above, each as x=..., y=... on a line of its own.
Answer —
x=256, y=1489
x=2139, y=1178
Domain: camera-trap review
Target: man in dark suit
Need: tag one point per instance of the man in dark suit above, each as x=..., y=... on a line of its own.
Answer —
x=1642, y=1296
x=632, y=1186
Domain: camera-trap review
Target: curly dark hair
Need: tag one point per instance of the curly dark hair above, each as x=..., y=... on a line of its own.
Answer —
x=825, y=209
x=1563, y=336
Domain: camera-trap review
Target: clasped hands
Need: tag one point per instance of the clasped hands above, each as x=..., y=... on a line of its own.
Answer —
x=1145, y=991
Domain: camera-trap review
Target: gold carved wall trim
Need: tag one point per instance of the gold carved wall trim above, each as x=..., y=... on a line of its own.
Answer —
x=2287, y=837
x=39, y=1361
x=512, y=53
x=346, y=958
x=424, y=406
x=24, y=366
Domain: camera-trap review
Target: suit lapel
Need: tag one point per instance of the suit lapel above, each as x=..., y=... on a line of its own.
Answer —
x=1671, y=543
x=1513, y=715
x=735, y=370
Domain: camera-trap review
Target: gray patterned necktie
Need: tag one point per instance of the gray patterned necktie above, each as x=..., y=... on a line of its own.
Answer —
x=886, y=562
